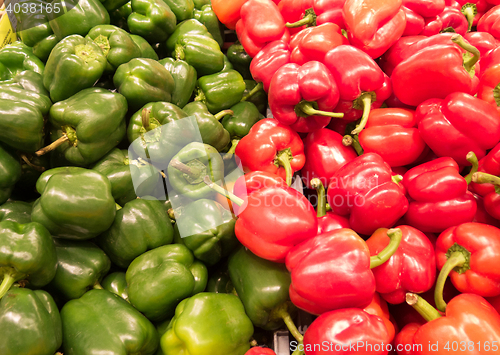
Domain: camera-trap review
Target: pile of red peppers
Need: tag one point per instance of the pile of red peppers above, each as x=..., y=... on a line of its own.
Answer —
x=389, y=113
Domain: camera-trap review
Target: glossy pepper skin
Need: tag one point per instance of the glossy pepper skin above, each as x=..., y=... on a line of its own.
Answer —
x=489, y=22
x=113, y=325
x=325, y=154
x=245, y=116
x=207, y=230
x=74, y=64
x=323, y=336
x=262, y=287
x=139, y=226
x=261, y=22
x=208, y=323
x=270, y=58
x=81, y=265
x=364, y=190
x=240, y=59
x=327, y=220
x=272, y=147
x=220, y=91
x=483, y=41
x=458, y=124
x=228, y=12
x=27, y=252
x=116, y=283
x=61, y=210
x=146, y=50
x=201, y=51
x=303, y=97
x=186, y=28
x=93, y=123
x=388, y=128
x=143, y=80
x=159, y=279
x=373, y=26
x=16, y=58
x=438, y=196
x=10, y=169
x=151, y=19
x=488, y=86
x=22, y=306
x=412, y=268
x=260, y=351
x=184, y=76
x=207, y=17
x=16, y=211
x=417, y=12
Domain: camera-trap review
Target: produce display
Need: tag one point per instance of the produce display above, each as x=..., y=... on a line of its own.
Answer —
x=250, y=177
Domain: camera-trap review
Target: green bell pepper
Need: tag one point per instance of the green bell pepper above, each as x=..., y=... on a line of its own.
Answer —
x=117, y=284
x=32, y=98
x=143, y=80
x=21, y=126
x=208, y=323
x=240, y=59
x=111, y=5
x=141, y=225
x=146, y=50
x=245, y=115
x=119, y=16
x=187, y=27
x=211, y=130
x=29, y=323
x=16, y=58
x=182, y=9
x=262, y=286
x=207, y=230
x=220, y=91
x=16, y=211
x=119, y=170
x=82, y=16
x=81, y=265
x=10, y=173
x=74, y=64
x=188, y=168
x=227, y=64
x=27, y=80
x=76, y=203
x=151, y=19
x=258, y=98
x=200, y=51
x=87, y=125
x=26, y=252
x=160, y=278
x=198, y=4
x=116, y=44
x=220, y=282
x=101, y=322
x=184, y=76
x=161, y=328
x=209, y=19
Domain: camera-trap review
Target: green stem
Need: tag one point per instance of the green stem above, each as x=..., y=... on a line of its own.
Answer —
x=470, y=11
x=320, y=189
x=253, y=343
x=309, y=19
x=292, y=328
x=118, y=207
x=308, y=109
x=395, y=235
x=97, y=286
x=423, y=307
x=28, y=162
x=256, y=89
x=235, y=199
x=468, y=63
x=232, y=150
x=471, y=158
x=350, y=141
x=397, y=179
x=191, y=171
x=52, y=146
x=456, y=259
x=9, y=278
x=283, y=159
x=484, y=178
x=220, y=115
x=145, y=119
x=366, y=99
x=179, y=52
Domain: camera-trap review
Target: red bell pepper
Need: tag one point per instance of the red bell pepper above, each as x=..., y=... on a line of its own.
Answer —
x=374, y=25
x=417, y=11
x=392, y=133
x=490, y=23
x=435, y=72
x=303, y=97
x=260, y=23
x=473, y=10
x=327, y=220
x=490, y=164
x=325, y=154
x=482, y=216
x=439, y=198
x=228, y=12
x=489, y=86
x=403, y=342
x=490, y=59
x=458, y=124
x=412, y=268
x=394, y=55
x=273, y=147
x=365, y=189
x=272, y=57
x=260, y=351
x=313, y=43
x=467, y=253
x=350, y=285
x=378, y=307
x=450, y=20
x=299, y=14
x=495, y=302
x=362, y=84
x=491, y=200
x=347, y=331
x=483, y=41
x=470, y=326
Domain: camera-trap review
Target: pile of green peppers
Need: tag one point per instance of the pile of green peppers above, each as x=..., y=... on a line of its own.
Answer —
x=90, y=261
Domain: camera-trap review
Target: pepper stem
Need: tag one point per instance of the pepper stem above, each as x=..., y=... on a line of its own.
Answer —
x=252, y=92
x=320, y=189
x=308, y=20
x=282, y=312
x=97, y=286
x=484, y=178
x=471, y=158
x=283, y=159
x=350, y=141
x=52, y=146
x=468, y=63
x=470, y=11
x=397, y=179
x=188, y=170
x=308, y=109
x=456, y=259
x=179, y=52
x=366, y=99
x=145, y=119
x=232, y=150
x=118, y=207
x=423, y=307
x=235, y=199
x=30, y=164
x=220, y=115
x=395, y=236
x=9, y=278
